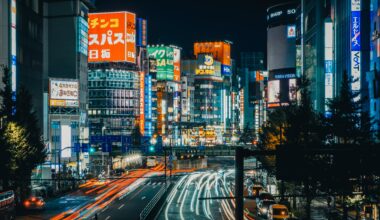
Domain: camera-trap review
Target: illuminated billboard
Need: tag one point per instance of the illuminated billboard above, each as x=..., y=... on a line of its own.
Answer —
x=63, y=93
x=142, y=103
x=142, y=36
x=82, y=42
x=355, y=45
x=112, y=37
x=291, y=31
x=164, y=56
x=177, y=64
x=281, y=87
x=221, y=51
x=66, y=141
x=13, y=49
x=273, y=91
x=205, y=65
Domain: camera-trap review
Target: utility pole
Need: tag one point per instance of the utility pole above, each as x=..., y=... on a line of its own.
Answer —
x=239, y=185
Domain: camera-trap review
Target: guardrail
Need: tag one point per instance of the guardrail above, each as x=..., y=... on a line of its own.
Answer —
x=145, y=212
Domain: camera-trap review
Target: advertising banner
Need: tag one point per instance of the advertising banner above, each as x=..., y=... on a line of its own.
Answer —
x=355, y=45
x=205, y=65
x=142, y=36
x=165, y=65
x=112, y=37
x=64, y=93
x=291, y=31
x=221, y=51
x=142, y=102
x=273, y=91
x=177, y=64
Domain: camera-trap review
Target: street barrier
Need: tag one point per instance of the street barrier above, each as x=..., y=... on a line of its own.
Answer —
x=144, y=214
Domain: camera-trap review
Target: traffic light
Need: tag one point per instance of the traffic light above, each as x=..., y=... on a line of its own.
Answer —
x=92, y=150
x=151, y=149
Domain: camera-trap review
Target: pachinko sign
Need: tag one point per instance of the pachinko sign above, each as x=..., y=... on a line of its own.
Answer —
x=112, y=37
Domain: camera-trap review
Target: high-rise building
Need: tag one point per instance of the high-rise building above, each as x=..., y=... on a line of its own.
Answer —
x=118, y=76
x=373, y=76
x=281, y=54
x=254, y=84
x=252, y=60
x=168, y=76
x=65, y=65
x=333, y=37
x=21, y=48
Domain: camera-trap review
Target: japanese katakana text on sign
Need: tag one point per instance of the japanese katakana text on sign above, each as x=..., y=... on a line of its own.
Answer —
x=112, y=37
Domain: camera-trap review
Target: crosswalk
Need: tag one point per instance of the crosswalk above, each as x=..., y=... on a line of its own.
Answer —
x=151, y=183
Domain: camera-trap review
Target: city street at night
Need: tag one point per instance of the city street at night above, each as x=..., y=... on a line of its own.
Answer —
x=189, y=110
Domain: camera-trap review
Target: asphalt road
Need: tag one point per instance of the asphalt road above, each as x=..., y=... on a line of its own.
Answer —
x=133, y=204
x=185, y=200
x=95, y=196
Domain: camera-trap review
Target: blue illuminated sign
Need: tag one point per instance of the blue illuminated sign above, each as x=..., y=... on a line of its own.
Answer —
x=355, y=31
x=328, y=66
x=226, y=70
x=82, y=43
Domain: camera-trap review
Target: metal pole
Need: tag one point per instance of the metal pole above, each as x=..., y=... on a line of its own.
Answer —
x=165, y=164
x=78, y=162
x=239, y=185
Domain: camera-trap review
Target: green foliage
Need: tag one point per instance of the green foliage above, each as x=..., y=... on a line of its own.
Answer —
x=22, y=147
x=248, y=135
x=344, y=123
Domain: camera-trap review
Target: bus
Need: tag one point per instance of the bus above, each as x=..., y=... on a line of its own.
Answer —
x=151, y=161
x=7, y=205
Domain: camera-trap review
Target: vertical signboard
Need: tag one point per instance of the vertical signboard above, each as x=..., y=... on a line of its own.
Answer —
x=355, y=45
x=112, y=37
x=142, y=101
x=13, y=49
x=142, y=36
x=177, y=64
x=82, y=42
x=65, y=141
x=329, y=64
x=131, y=38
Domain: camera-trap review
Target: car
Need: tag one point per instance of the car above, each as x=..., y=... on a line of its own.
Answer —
x=278, y=212
x=265, y=196
x=255, y=190
x=34, y=203
x=263, y=207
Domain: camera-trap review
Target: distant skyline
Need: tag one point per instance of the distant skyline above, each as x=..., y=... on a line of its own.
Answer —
x=171, y=22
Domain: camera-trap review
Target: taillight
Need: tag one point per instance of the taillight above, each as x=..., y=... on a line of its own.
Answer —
x=26, y=203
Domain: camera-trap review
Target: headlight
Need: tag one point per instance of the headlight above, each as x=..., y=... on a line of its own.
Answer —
x=264, y=210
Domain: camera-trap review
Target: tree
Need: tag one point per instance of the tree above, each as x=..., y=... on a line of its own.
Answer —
x=5, y=115
x=22, y=147
x=247, y=136
x=304, y=125
x=344, y=123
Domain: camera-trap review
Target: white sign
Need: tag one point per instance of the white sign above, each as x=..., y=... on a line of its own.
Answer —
x=355, y=5
x=64, y=90
x=355, y=70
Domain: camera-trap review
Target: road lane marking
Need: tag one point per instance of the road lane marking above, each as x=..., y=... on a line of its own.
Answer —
x=108, y=217
x=142, y=198
x=121, y=206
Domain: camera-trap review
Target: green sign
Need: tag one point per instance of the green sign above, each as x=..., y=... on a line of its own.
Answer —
x=164, y=56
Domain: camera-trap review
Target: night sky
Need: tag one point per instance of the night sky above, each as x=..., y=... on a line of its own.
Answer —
x=182, y=22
